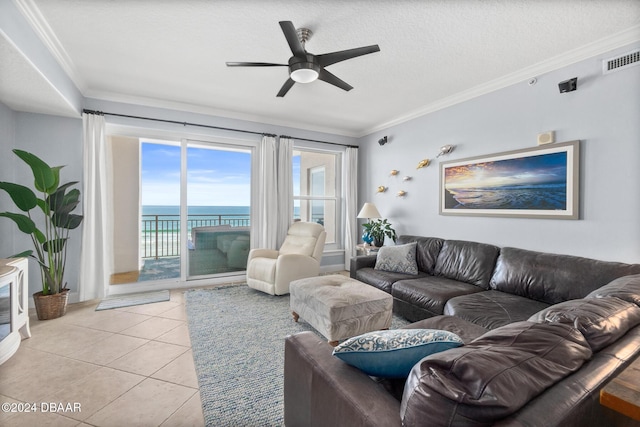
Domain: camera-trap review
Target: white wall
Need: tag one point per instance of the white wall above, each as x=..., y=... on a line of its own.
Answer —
x=603, y=113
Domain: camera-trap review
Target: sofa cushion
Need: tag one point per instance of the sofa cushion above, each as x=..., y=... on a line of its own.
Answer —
x=467, y=331
x=601, y=320
x=493, y=376
x=553, y=278
x=626, y=288
x=392, y=354
x=427, y=250
x=398, y=259
x=492, y=309
x=383, y=279
x=431, y=293
x=468, y=262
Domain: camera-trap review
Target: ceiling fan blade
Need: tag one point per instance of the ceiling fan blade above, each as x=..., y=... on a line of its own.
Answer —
x=255, y=64
x=333, y=57
x=285, y=87
x=326, y=76
x=291, y=35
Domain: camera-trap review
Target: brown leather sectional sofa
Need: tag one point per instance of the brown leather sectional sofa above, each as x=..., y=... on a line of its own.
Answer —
x=543, y=334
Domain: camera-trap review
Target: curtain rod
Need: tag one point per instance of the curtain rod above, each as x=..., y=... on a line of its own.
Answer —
x=103, y=113
x=315, y=140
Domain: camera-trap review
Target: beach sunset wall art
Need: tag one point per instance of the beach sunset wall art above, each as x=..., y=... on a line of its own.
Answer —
x=540, y=182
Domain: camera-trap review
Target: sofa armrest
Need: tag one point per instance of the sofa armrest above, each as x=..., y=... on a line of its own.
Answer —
x=363, y=261
x=322, y=390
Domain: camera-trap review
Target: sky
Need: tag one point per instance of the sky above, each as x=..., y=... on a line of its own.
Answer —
x=540, y=169
x=215, y=177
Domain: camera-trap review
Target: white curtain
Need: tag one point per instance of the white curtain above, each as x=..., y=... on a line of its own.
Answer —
x=285, y=188
x=268, y=195
x=350, y=206
x=96, y=256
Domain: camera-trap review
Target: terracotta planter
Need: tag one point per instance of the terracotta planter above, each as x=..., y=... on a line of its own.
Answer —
x=51, y=306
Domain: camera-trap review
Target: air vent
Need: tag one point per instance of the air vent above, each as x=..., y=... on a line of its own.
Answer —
x=621, y=62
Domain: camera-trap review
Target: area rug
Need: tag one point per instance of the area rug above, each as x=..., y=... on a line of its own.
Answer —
x=128, y=300
x=237, y=339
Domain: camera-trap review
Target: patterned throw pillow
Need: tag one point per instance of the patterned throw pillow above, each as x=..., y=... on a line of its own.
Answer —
x=392, y=354
x=398, y=259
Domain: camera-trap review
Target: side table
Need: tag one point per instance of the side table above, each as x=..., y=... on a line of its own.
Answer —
x=363, y=249
x=622, y=394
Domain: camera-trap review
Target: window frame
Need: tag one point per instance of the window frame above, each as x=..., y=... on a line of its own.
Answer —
x=337, y=198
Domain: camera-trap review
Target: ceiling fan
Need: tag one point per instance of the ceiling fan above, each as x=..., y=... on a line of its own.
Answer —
x=305, y=67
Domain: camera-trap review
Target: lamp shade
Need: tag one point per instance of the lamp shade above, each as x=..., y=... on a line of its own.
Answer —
x=369, y=210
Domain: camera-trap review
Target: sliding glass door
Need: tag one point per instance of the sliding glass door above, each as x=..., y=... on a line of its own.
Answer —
x=218, y=208
x=181, y=209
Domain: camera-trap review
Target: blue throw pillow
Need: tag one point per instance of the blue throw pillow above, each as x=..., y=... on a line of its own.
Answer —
x=392, y=354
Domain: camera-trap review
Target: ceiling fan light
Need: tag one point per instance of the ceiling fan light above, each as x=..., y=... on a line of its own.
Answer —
x=304, y=75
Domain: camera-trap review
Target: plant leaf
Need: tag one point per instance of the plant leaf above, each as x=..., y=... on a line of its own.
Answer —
x=54, y=246
x=24, y=223
x=44, y=206
x=40, y=237
x=62, y=203
x=56, y=177
x=43, y=174
x=65, y=220
x=22, y=196
x=74, y=221
x=23, y=254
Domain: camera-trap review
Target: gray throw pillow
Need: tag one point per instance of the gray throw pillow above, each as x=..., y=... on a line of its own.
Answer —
x=398, y=259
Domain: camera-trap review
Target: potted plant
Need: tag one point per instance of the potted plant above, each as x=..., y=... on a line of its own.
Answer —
x=50, y=235
x=378, y=229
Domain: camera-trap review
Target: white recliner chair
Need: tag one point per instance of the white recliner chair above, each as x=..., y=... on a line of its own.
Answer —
x=271, y=271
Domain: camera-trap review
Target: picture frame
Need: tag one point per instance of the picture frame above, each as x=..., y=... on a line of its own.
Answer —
x=538, y=182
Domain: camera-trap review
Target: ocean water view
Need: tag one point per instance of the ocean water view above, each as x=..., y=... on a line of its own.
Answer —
x=539, y=197
x=167, y=218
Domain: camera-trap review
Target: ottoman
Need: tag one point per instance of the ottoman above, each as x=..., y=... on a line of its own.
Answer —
x=340, y=307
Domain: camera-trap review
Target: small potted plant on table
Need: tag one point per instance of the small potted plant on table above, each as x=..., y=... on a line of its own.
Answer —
x=56, y=202
x=378, y=229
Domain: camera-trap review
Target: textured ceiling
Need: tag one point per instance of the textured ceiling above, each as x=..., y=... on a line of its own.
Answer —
x=433, y=53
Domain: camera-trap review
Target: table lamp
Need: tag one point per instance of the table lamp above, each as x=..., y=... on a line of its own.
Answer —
x=368, y=211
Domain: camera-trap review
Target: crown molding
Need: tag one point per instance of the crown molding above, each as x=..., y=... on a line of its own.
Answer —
x=41, y=27
x=210, y=111
x=599, y=47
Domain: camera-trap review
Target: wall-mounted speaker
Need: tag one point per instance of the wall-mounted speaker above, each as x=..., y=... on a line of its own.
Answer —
x=568, y=85
x=546, y=137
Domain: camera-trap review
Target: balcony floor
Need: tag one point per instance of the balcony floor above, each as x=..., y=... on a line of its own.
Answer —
x=201, y=263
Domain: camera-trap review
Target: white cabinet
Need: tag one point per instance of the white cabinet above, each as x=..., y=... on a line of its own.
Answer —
x=14, y=308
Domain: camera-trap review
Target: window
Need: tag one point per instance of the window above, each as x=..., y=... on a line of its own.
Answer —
x=316, y=191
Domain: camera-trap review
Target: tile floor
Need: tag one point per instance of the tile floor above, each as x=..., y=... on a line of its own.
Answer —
x=124, y=367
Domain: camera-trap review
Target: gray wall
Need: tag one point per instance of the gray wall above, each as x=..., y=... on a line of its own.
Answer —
x=57, y=141
x=7, y=170
x=603, y=113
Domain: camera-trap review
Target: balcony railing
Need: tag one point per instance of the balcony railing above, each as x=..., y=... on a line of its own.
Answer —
x=161, y=233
